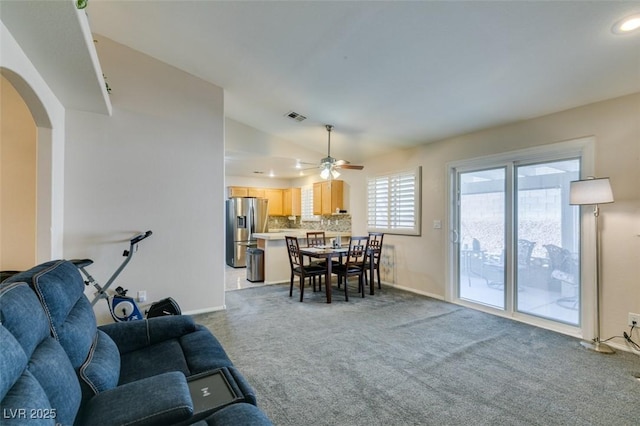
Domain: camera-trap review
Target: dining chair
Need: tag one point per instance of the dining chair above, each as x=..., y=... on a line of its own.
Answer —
x=373, y=256
x=299, y=268
x=354, y=264
x=316, y=238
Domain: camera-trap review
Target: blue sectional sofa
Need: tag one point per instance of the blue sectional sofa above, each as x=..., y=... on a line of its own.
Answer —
x=59, y=368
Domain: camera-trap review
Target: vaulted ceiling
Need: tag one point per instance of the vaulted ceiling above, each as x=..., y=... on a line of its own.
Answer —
x=386, y=74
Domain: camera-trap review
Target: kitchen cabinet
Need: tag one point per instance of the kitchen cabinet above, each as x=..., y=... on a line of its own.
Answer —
x=292, y=202
x=243, y=191
x=275, y=197
x=256, y=192
x=237, y=191
x=327, y=197
x=282, y=202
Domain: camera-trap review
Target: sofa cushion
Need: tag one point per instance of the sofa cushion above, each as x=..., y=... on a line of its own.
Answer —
x=60, y=288
x=158, y=400
x=152, y=360
x=203, y=351
x=101, y=369
x=13, y=362
x=34, y=367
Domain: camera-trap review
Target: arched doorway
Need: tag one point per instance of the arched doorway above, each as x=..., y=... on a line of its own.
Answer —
x=45, y=219
x=18, y=162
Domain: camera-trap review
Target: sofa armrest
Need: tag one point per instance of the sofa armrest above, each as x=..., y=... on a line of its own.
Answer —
x=157, y=400
x=134, y=335
x=241, y=414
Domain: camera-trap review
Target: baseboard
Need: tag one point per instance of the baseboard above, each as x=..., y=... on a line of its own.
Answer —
x=624, y=347
x=413, y=290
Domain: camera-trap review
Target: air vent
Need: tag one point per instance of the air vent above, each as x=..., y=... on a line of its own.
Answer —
x=295, y=116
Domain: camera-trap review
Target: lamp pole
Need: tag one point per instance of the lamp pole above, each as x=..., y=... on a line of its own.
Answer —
x=596, y=344
x=593, y=191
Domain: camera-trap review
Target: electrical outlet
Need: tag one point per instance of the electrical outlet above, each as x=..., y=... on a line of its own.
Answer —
x=634, y=318
x=142, y=296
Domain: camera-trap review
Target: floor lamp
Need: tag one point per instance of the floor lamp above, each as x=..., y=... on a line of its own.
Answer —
x=592, y=191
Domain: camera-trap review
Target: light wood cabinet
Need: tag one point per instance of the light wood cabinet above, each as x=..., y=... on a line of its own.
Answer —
x=275, y=197
x=243, y=191
x=292, y=202
x=256, y=192
x=237, y=191
x=327, y=197
x=282, y=202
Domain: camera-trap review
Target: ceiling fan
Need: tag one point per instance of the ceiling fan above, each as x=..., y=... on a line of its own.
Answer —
x=329, y=165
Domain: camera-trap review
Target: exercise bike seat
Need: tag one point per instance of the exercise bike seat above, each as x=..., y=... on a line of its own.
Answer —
x=81, y=263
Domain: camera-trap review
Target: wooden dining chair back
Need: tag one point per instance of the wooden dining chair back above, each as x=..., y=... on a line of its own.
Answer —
x=299, y=268
x=374, y=254
x=354, y=264
x=316, y=238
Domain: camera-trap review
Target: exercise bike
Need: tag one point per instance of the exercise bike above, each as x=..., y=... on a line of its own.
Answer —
x=122, y=307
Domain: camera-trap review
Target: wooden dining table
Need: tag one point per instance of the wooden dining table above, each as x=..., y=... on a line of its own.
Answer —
x=327, y=253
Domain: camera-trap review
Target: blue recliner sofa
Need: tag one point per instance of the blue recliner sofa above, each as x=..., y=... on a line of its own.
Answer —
x=57, y=367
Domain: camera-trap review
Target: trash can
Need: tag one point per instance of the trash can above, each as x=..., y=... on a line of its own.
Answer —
x=255, y=265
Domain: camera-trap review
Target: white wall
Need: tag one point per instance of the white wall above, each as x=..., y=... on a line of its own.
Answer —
x=615, y=124
x=156, y=164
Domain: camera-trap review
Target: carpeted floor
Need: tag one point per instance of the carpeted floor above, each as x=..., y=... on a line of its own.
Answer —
x=397, y=358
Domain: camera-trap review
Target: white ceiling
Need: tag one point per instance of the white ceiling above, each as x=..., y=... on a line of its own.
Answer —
x=386, y=74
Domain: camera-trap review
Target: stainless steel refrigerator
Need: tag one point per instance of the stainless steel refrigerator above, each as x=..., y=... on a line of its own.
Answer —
x=245, y=217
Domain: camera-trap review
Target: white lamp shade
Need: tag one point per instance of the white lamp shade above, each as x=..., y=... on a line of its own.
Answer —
x=324, y=174
x=590, y=191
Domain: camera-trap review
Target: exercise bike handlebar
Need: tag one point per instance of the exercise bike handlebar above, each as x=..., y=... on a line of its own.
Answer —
x=129, y=254
x=140, y=237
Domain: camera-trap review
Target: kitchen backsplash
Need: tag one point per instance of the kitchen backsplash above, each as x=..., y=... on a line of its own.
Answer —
x=336, y=222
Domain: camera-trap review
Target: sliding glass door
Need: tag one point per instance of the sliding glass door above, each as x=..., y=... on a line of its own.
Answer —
x=517, y=238
x=482, y=236
x=548, y=241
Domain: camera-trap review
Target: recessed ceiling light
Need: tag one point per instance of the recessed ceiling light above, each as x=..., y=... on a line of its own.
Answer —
x=626, y=25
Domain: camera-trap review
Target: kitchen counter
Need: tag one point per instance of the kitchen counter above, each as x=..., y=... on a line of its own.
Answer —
x=276, y=257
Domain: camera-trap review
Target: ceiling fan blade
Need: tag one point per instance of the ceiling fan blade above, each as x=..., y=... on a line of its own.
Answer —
x=340, y=162
x=349, y=166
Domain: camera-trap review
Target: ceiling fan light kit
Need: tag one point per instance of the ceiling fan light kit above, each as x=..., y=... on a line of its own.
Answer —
x=329, y=165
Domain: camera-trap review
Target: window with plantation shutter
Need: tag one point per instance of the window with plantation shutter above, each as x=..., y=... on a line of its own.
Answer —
x=307, y=203
x=393, y=203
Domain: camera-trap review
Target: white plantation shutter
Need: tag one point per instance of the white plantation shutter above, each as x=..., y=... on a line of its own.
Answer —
x=307, y=203
x=394, y=203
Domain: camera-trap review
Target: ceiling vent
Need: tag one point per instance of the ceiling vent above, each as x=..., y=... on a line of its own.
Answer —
x=295, y=116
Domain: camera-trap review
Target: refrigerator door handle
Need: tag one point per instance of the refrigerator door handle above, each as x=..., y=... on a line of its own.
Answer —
x=252, y=220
